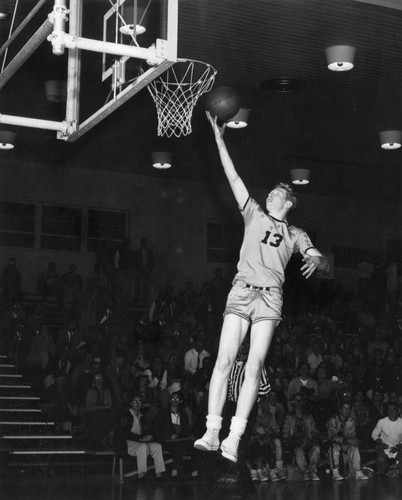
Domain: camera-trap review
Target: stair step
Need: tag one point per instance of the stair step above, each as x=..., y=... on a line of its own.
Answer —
x=10, y=375
x=6, y=365
x=21, y=398
x=26, y=423
x=15, y=386
x=21, y=410
x=47, y=452
x=40, y=436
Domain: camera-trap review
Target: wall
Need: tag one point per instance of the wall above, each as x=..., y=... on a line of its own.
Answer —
x=173, y=215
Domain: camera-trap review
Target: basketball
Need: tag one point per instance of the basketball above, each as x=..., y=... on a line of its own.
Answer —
x=222, y=102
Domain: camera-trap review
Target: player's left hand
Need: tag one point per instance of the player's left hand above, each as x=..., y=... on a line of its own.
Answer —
x=311, y=263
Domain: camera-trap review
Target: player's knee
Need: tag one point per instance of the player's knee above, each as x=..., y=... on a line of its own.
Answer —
x=224, y=364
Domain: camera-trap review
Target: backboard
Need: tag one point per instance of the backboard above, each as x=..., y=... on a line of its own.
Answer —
x=119, y=45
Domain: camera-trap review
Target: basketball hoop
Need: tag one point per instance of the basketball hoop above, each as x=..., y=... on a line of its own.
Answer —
x=176, y=92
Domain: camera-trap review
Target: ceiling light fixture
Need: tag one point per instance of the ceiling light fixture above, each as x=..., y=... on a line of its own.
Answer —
x=239, y=120
x=128, y=18
x=300, y=176
x=7, y=139
x=161, y=159
x=56, y=90
x=283, y=85
x=340, y=57
x=391, y=139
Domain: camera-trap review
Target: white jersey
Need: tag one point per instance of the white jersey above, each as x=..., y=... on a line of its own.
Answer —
x=267, y=246
x=390, y=433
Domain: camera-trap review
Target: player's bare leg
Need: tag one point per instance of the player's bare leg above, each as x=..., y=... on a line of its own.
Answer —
x=260, y=339
x=234, y=330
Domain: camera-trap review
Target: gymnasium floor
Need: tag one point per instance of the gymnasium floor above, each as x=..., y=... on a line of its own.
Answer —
x=102, y=487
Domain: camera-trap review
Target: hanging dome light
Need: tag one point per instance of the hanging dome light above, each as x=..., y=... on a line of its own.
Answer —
x=239, y=120
x=340, y=57
x=300, y=176
x=56, y=90
x=391, y=139
x=161, y=159
x=7, y=139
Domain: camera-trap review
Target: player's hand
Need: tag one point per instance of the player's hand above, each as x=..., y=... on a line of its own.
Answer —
x=311, y=262
x=218, y=131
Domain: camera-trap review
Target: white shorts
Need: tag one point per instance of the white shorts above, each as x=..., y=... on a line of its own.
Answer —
x=254, y=303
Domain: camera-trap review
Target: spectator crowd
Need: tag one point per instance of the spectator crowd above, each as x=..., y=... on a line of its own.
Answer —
x=134, y=376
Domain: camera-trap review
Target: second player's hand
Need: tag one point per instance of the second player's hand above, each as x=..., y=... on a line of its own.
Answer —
x=311, y=263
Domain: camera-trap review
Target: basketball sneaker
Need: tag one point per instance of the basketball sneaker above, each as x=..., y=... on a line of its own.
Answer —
x=360, y=475
x=254, y=475
x=229, y=446
x=336, y=476
x=209, y=441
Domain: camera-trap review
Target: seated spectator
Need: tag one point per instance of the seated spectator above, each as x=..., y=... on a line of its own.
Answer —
x=70, y=336
x=377, y=343
x=117, y=377
x=393, y=378
x=42, y=348
x=149, y=398
x=172, y=429
x=375, y=369
x=333, y=358
x=300, y=435
x=342, y=438
x=387, y=436
x=82, y=377
x=174, y=369
x=133, y=436
x=282, y=391
x=189, y=403
x=62, y=364
x=303, y=383
x=326, y=388
x=61, y=404
x=201, y=380
x=294, y=357
x=361, y=412
x=193, y=357
x=315, y=357
x=161, y=308
x=99, y=415
x=157, y=375
x=377, y=406
x=265, y=458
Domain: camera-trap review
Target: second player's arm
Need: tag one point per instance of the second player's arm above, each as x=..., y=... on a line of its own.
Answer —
x=236, y=183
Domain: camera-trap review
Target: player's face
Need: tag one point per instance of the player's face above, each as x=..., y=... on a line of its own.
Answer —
x=276, y=199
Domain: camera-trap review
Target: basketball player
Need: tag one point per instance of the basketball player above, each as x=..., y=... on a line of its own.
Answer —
x=255, y=298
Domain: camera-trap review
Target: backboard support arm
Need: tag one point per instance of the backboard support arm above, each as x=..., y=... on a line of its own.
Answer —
x=159, y=56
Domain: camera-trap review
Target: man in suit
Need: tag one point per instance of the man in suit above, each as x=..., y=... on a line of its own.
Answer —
x=133, y=436
x=172, y=429
x=70, y=336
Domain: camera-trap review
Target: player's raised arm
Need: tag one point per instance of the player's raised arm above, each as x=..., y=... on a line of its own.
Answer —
x=236, y=183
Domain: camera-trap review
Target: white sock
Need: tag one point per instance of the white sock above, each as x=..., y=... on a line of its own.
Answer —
x=238, y=425
x=214, y=422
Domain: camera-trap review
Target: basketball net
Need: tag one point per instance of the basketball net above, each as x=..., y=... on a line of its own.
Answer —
x=176, y=92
